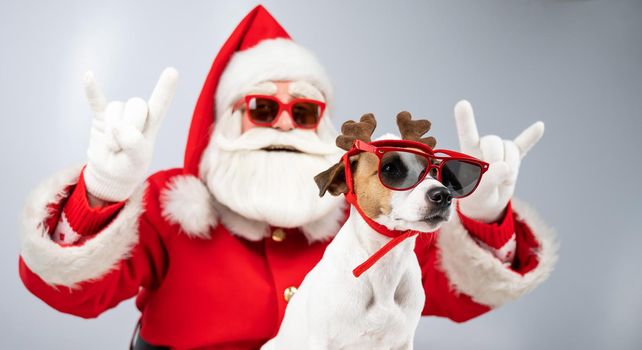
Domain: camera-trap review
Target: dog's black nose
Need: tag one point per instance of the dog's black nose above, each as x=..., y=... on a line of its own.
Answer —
x=440, y=197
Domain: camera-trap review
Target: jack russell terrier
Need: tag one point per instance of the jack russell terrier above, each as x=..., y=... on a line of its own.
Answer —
x=395, y=194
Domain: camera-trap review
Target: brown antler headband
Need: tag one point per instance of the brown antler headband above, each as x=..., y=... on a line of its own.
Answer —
x=414, y=129
x=352, y=130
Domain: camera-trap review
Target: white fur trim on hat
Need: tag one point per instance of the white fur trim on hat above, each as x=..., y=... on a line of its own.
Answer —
x=477, y=273
x=187, y=202
x=70, y=265
x=270, y=60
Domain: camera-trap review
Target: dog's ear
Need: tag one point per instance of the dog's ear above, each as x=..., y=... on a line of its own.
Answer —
x=333, y=180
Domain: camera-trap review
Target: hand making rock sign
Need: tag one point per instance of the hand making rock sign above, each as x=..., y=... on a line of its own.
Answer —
x=489, y=200
x=122, y=137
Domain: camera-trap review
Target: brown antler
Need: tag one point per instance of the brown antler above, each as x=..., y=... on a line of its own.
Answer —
x=352, y=130
x=414, y=129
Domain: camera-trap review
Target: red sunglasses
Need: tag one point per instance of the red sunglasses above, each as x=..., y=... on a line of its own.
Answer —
x=264, y=110
x=403, y=164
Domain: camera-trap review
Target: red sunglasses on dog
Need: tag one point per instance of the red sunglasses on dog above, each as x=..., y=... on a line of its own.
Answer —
x=264, y=110
x=403, y=164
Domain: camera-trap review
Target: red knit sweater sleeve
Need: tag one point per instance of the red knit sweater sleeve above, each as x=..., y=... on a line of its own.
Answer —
x=78, y=221
x=497, y=238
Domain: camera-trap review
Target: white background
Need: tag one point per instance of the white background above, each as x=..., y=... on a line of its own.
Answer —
x=577, y=65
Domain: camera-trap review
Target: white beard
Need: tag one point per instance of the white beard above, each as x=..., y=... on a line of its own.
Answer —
x=272, y=187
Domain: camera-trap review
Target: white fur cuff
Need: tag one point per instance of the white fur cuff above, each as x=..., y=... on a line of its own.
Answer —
x=71, y=265
x=475, y=272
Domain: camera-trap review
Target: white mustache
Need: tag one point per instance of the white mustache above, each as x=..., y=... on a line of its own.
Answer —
x=259, y=138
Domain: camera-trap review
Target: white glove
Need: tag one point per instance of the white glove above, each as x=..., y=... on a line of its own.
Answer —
x=122, y=138
x=489, y=200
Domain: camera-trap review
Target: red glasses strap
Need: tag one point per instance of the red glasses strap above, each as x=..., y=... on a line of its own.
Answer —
x=348, y=172
x=381, y=252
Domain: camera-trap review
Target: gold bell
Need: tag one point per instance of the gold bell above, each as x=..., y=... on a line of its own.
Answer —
x=278, y=235
x=289, y=292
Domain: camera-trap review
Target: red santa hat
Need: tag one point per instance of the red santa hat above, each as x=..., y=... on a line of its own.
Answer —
x=258, y=50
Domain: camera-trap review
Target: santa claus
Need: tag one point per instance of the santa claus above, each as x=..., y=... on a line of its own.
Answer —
x=214, y=250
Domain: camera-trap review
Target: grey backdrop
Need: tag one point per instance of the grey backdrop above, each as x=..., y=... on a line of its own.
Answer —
x=577, y=65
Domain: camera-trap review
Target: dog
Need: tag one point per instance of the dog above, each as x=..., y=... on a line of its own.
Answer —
x=381, y=309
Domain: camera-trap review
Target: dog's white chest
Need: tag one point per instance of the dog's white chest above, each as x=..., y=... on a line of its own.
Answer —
x=390, y=315
x=335, y=310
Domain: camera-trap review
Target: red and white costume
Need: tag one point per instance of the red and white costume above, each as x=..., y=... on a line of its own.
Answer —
x=201, y=278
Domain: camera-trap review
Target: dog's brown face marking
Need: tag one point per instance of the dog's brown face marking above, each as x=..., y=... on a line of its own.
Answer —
x=373, y=197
